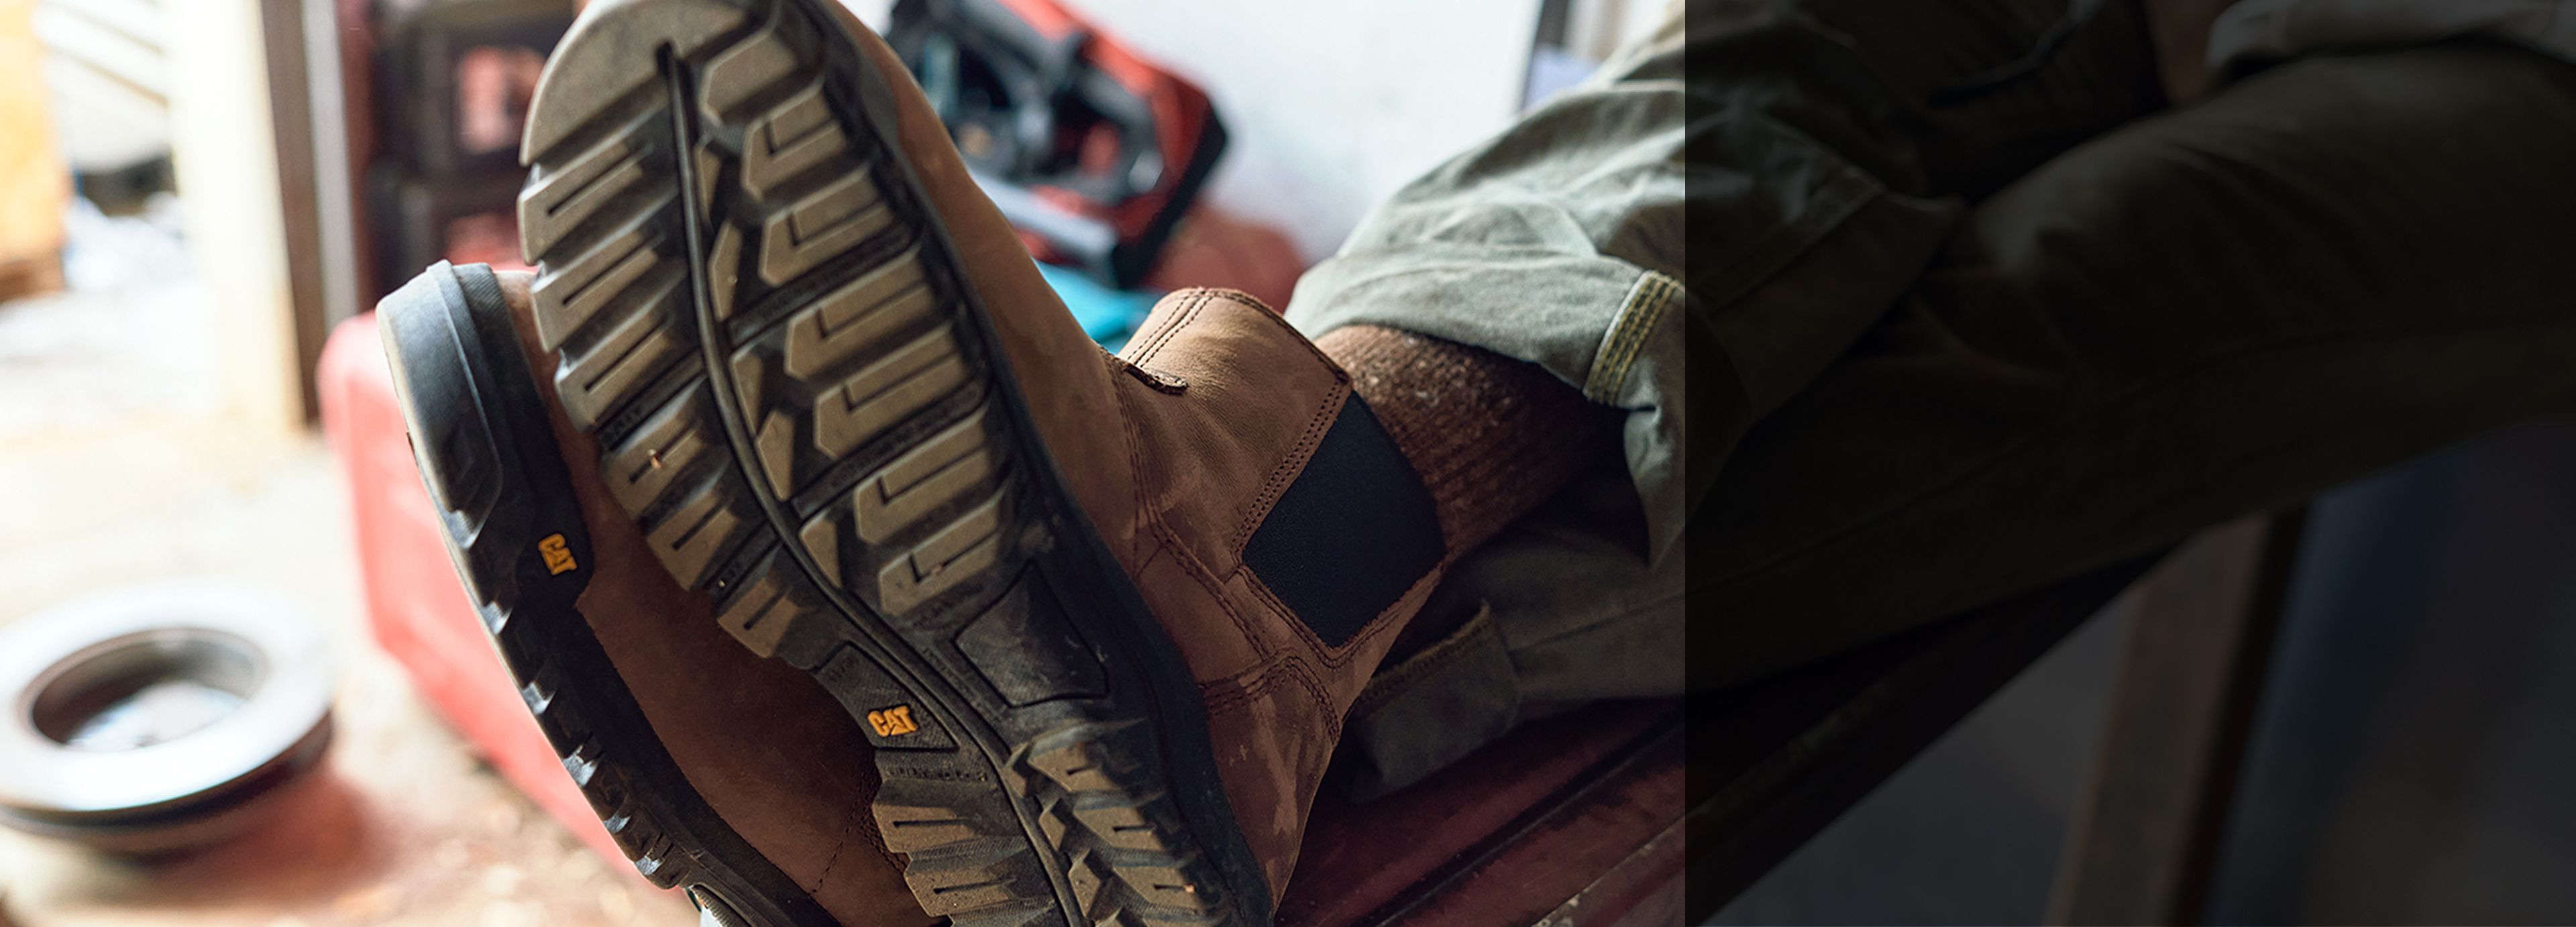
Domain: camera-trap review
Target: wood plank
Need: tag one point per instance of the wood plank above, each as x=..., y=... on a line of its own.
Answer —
x=1366, y=863
x=1587, y=858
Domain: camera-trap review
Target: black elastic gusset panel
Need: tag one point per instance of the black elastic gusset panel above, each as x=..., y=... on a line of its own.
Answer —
x=1351, y=534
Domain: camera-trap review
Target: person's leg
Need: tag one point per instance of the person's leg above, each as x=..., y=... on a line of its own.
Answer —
x=1820, y=150
x=1822, y=146
x=2322, y=270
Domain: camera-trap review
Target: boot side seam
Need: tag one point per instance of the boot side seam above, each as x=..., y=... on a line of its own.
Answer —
x=1336, y=657
x=1132, y=430
x=1167, y=543
x=1171, y=547
x=1225, y=694
x=1280, y=322
x=1229, y=694
x=1286, y=471
x=1391, y=680
x=1152, y=344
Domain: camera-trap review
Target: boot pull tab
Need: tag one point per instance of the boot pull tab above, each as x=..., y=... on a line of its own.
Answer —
x=1160, y=382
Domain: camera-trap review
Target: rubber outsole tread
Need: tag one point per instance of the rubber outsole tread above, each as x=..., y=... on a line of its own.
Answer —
x=846, y=471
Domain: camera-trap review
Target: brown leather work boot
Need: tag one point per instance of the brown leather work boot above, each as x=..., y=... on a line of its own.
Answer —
x=1099, y=619
x=734, y=777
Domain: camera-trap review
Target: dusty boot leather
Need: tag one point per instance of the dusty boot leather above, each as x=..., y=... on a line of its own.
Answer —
x=1096, y=619
x=1278, y=534
x=735, y=778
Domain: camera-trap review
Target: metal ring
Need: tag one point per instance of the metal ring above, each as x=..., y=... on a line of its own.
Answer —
x=139, y=715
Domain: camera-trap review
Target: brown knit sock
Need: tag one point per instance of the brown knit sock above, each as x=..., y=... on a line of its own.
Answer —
x=1491, y=437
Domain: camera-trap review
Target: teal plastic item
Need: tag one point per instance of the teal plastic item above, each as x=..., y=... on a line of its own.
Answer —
x=1107, y=315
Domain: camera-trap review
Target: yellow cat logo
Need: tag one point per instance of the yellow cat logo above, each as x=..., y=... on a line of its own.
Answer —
x=893, y=721
x=558, y=555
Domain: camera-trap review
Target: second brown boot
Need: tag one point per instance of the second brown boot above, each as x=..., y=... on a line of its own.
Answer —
x=737, y=779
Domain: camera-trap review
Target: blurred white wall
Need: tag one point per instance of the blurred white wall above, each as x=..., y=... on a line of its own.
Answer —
x=226, y=160
x=1331, y=104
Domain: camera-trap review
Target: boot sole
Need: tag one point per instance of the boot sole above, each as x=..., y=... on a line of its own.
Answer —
x=495, y=474
x=803, y=406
